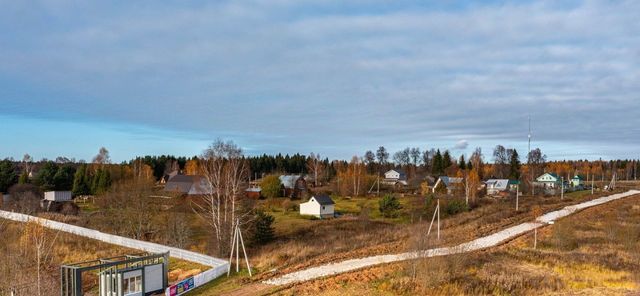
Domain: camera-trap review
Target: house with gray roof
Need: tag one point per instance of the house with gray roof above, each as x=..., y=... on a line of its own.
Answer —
x=321, y=206
x=188, y=185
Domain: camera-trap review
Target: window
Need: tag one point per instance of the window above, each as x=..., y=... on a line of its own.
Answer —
x=132, y=285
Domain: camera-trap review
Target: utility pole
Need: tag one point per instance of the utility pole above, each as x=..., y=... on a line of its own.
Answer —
x=592, y=181
x=435, y=213
x=235, y=244
x=517, y=195
x=562, y=188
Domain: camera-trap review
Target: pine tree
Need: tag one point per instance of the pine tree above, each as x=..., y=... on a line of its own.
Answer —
x=264, y=231
x=437, y=168
x=80, y=183
x=462, y=164
x=446, y=160
x=514, y=165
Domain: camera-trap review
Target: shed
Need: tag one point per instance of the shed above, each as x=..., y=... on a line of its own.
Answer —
x=57, y=195
x=321, y=206
x=254, y=192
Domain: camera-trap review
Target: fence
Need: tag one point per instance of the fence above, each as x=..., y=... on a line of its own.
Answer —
x=219, y=266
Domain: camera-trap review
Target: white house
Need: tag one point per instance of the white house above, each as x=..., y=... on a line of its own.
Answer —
x=395, y=176
x=57, y=195
x=496, y=186
x=549, y=180
x=321, y=206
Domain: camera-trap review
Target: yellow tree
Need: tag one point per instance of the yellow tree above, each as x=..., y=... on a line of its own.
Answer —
x=192, y=167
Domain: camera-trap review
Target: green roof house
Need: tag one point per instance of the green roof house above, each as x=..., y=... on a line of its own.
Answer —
x=577, y=181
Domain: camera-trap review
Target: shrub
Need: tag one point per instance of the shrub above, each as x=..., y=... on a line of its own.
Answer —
x=270, y=186
x=389, y=206
x=456, y=206
x=263, y=232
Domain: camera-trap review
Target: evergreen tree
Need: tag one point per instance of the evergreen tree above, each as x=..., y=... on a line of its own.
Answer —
x=104, y=181
x=437, y=168
x=8, y=175
x=63, y=179
x=462, y=164
x=446, y=160
x=263, y=232
x=46, y=176
x=514, y=165
x=80, y=181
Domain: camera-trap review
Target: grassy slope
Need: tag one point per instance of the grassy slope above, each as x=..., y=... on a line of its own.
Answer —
x=595, y=252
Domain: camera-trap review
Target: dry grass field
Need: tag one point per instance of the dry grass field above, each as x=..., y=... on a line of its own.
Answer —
x=594, y=252
x=361, y=232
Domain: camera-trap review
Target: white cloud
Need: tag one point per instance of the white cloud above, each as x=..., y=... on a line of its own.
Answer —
x=369, y=75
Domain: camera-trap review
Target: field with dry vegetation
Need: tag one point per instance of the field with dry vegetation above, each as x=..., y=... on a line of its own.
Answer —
x=594, y=252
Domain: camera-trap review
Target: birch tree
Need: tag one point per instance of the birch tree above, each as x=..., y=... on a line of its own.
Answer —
x=315, y=167
x=224, y=176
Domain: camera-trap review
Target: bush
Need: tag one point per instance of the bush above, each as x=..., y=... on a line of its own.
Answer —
x=271, y=186
x=456, y=206
x=263, y=232
x=389, y=206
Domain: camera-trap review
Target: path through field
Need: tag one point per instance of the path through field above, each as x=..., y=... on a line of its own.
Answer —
x=477, y=244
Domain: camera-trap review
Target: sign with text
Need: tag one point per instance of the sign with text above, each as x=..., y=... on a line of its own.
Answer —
x=181, y=287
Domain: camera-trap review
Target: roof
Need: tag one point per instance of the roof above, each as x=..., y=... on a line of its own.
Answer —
x=289, y=181
x=501, y=184
x=254, y=189
x=450, y=180
x=187, y=184
x=578, y=177
x=323, y=199
x=554, y=175
x=399, y=171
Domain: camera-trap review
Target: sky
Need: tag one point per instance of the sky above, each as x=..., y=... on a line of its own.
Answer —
x=335, y=78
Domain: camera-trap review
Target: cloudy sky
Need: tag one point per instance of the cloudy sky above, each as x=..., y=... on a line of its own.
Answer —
x=168, y=77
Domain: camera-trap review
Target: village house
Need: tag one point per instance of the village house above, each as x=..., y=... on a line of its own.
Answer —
x=549, y=180
x=577, y=181
x=448, y=184
x=321, y=206
x=188, y=185
x=293, y=186
x=395, y=177
x=501, y=186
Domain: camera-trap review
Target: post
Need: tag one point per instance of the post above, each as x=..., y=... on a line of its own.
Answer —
x=592, y=177
x=237, y=248
x=438, y=209
x=517, y=195
x=561, y=188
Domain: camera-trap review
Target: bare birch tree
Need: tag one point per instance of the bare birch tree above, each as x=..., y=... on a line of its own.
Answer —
x=225, y=172
x=315, y=167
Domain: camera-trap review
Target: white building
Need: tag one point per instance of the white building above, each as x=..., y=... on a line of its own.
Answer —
x=549, y=180
x=321, y=206
x=395, y=176
x=57, y=195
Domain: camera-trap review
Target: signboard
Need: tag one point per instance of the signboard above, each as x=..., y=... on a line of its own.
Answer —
x=181, y=287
